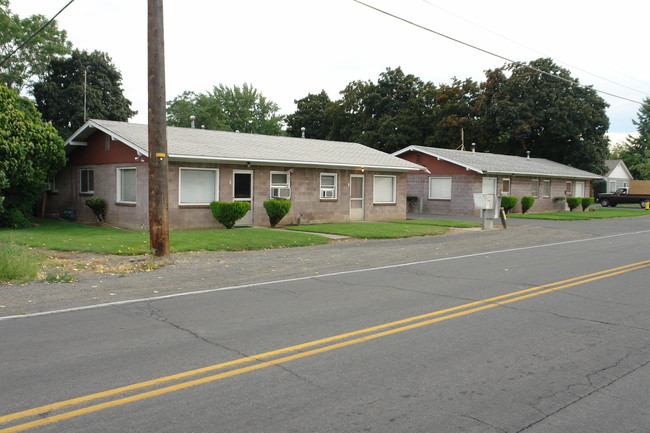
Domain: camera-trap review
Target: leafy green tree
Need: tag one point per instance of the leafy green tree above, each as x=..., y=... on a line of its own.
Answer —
x=32, y=59
x=524, y=109
x=59, y=94
x=30, y=151
x=311, y=114
x=206, y=111
x=454, y=118
x=636, y=151
x=243, y=109
x=388, y=115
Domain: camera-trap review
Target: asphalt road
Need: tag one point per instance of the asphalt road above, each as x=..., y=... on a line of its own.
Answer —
x=539, y=328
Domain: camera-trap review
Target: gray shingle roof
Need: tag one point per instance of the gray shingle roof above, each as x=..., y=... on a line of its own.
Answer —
x=222, y=146
x=492, y=163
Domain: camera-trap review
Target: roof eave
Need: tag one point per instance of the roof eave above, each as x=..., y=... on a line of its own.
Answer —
x=557, y=176
x=88, y=128
x=439, y=157
x=201, y=158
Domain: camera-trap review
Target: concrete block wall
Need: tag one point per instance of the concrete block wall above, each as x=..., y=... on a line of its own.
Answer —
x=465, y=185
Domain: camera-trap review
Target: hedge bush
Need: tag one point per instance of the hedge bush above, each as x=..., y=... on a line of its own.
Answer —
x=508, y=202
x=276, y=210
x=228, y=213
x=98, y=206
x=526, y=203
x=573, y=202
x=586, y=202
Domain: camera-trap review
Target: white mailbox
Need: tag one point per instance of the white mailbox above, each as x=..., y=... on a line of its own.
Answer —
x=484, y=201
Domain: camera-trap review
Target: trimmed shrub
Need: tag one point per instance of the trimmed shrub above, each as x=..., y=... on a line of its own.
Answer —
x=526, y=203
x=98, y=205
x=586, y=202
x=228, y=213
x=508, y=202
x=573, y=202
x=277, y=209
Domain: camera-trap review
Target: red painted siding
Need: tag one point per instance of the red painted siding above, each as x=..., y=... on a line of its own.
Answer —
x=102, y=150
x=433, y=164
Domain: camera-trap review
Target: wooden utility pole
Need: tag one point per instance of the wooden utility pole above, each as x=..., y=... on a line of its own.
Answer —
x=158, y=161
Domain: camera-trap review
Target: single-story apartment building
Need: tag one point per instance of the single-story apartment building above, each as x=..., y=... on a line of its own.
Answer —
x=456, y=175
x=618, y=176
x=326, y=181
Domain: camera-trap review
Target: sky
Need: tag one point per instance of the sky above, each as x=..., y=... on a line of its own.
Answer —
x=289, y=48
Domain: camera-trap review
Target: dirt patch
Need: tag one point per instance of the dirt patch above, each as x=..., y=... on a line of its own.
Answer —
x=67, y=266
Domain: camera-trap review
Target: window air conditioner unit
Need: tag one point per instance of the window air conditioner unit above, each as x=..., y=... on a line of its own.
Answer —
x=280, y=192
x=327, y=193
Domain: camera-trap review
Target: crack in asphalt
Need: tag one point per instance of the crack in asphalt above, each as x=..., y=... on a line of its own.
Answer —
x=482, y=422
x=595, y=390
x=581, y=319
x=157, y=314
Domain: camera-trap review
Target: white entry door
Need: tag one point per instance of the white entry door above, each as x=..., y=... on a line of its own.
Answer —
x=356, y=197
x=580, y=189
x=489, y=185
x=243, y=191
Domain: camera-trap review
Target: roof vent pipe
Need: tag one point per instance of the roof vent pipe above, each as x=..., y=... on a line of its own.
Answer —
x=528, y=154
x=192, y=119
x=473, y=147
x=302, y=132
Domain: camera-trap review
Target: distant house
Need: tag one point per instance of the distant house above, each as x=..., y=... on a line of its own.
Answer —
x=618, y=176
x=455, y=175
x=326, y=181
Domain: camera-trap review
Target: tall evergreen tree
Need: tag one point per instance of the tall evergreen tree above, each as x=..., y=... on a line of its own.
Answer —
x=59, y=94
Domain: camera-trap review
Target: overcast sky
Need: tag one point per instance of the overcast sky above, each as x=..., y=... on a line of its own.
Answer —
x=289, y=48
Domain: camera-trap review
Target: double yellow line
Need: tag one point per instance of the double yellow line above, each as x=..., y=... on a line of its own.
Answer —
x=132, y=393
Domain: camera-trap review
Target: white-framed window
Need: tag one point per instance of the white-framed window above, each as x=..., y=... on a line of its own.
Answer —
x=534, y=187
x=280, y=184
x=126, y=184
x=87, y=181
x=328, y=185
x=505, y=186
x=546, y=188
x=568, y=188
x=198, y=186
x=612, y=186
x=384, y=189
x=440, y=188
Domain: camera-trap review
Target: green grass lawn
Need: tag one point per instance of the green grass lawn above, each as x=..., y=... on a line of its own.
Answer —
x=18, y=263
x=579, y=215
x=67, y=236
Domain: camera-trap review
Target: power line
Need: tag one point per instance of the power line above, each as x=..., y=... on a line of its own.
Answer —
x=531, y=49
x=572, y=82
x=6, y=59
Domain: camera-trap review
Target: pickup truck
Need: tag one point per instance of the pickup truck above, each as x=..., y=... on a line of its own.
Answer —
x=621, y=195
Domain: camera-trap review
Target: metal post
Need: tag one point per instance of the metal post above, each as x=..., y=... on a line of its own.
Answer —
x=85, y=91
x=158, y=163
